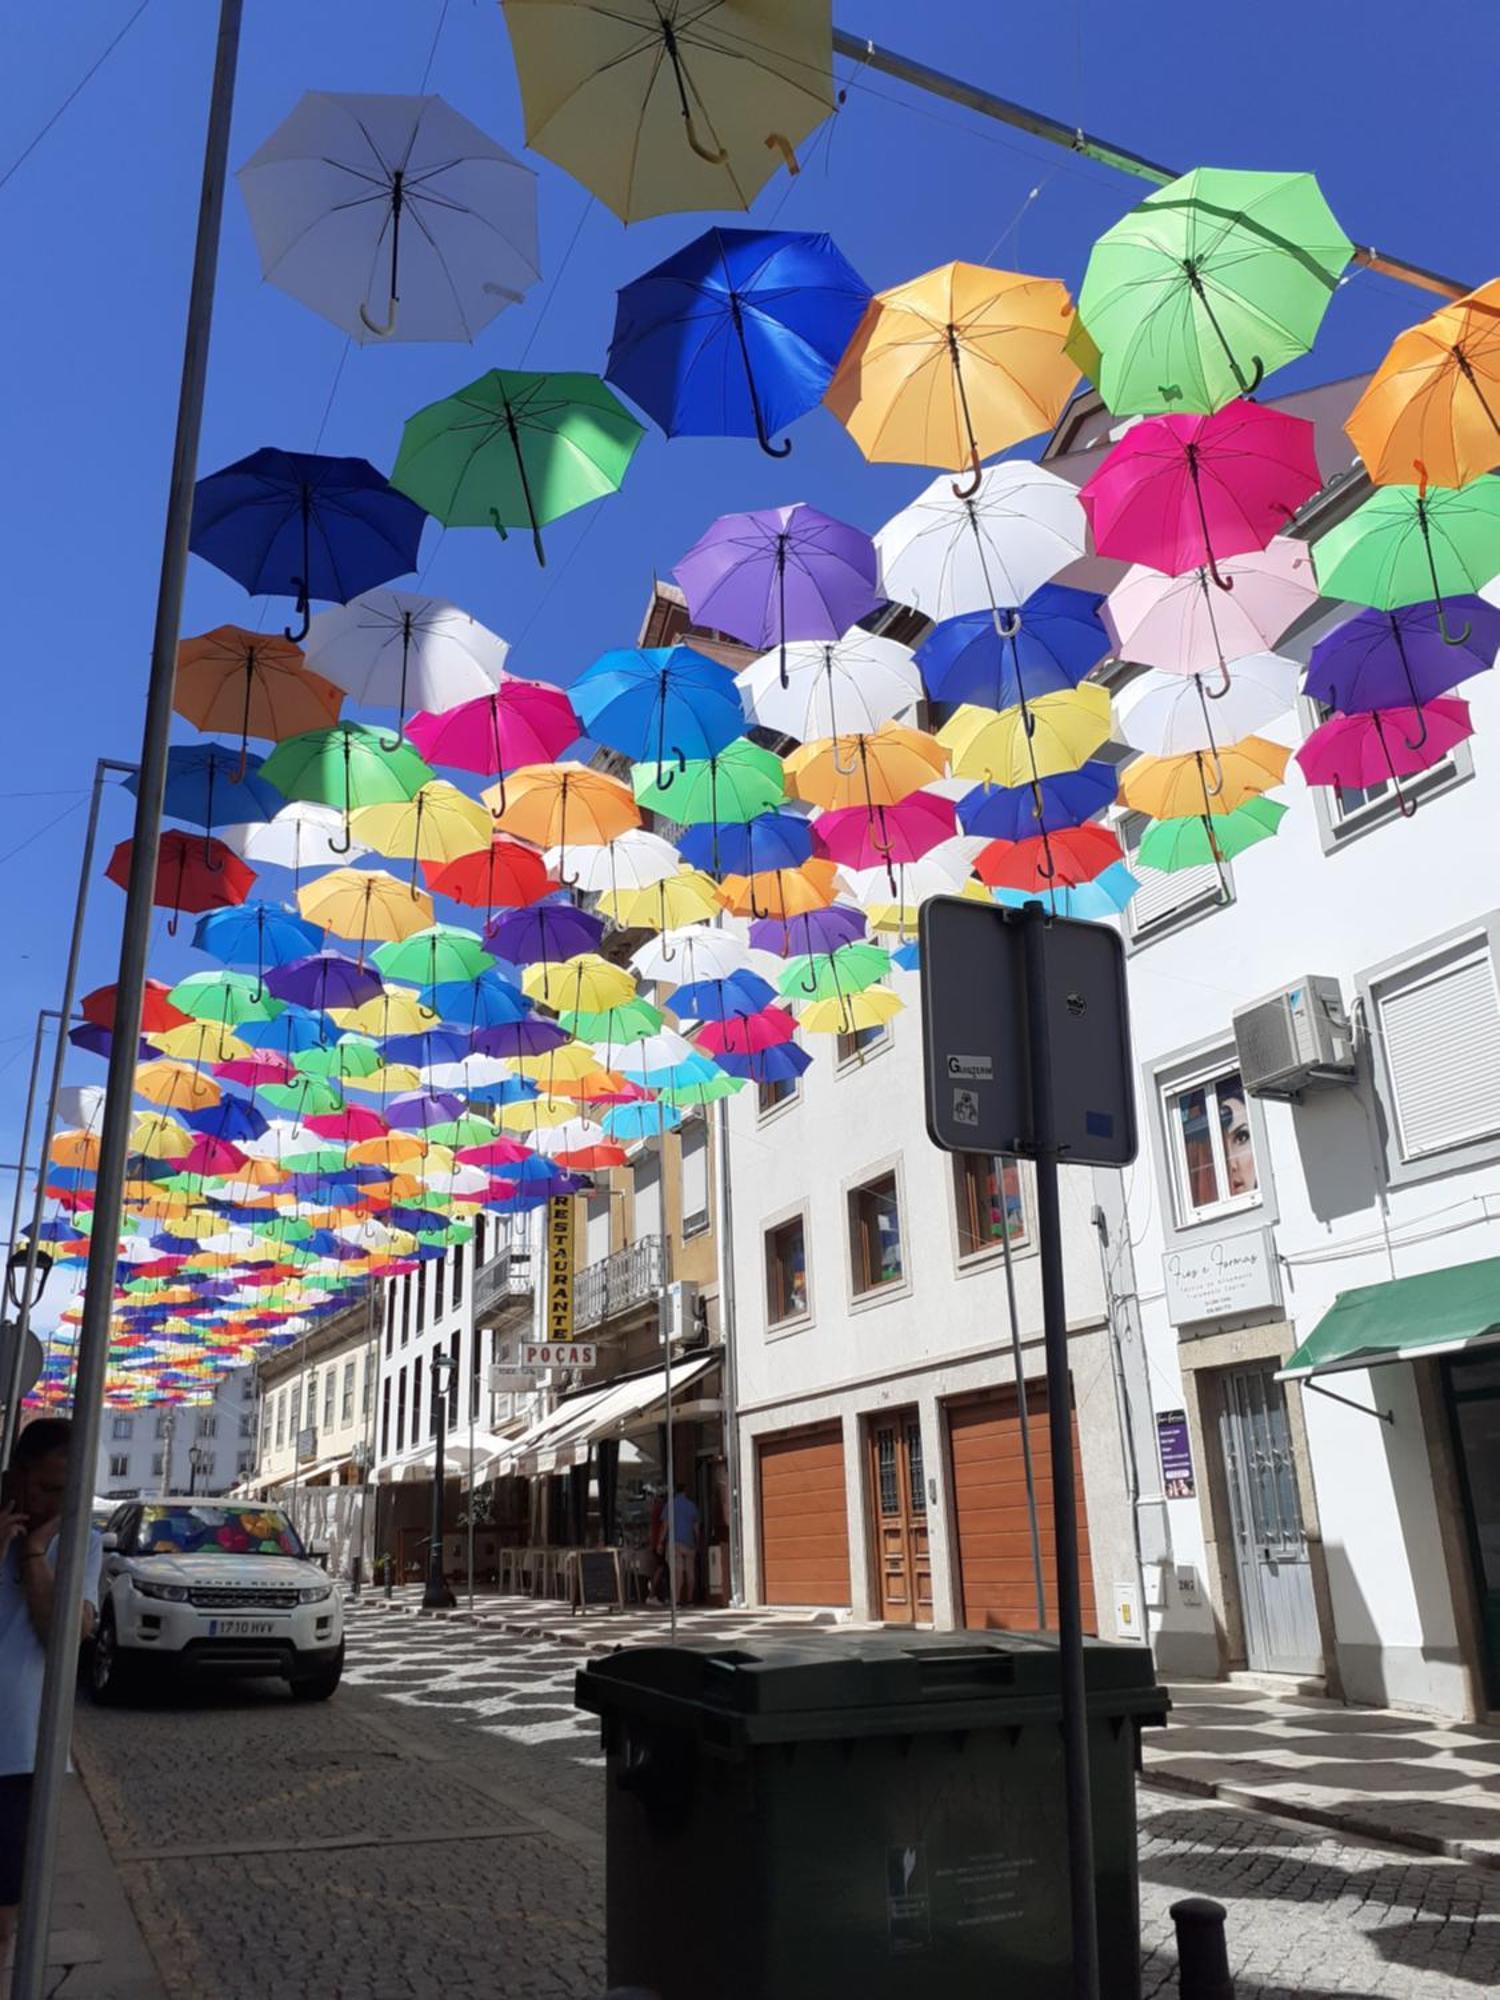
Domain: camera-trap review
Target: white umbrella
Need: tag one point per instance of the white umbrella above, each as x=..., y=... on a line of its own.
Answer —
x=944, y=556
x=80, y=1106
x=941, y=871
x=574, y=1137
x=300, y=836
x=696, y=951
x=1168, y=715
x=392, y=216
x=844, y=688
x=396, y=649
x=635, y=859
x=650, y=1054
x=473, y=1073
x=1187, y=625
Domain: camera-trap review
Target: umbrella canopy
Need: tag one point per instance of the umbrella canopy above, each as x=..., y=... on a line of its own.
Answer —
x=739, y=783
x=814, y=931
x=858, y=837
x=323, y=979
x=736, y=334
x=1178, y=492
x=780, y=573
x=585, y=984
x=1409, y=543
x=437, y=823
x=516, y=449
x=365, y=905
x=1432, y=408
x=508, y=873
x=544, y=931
x=666, y=702
x=848, y=968
x=523, y=722
x=782, y=893
x=633, y=860
x=684, y=898
x=871, y=770
x=191, y=874
x=1400, y=658
x=1047, y=805
x=847, y=686
x=657, y=110
x=1054, y=733
x=956, y=365
x=944, y=555
x=300, y=834
x=391, y=648
x=258, y=934
x=1051, y=860
x=850, y=1012
x=1049, y=642
x=692, y=952
x=291, y=524
x=547, y=804
x=1167, y=714
x=211, y=782
x=1383, y=745
x=157, y=1012
x=444, y=952
x=1212, y=281
x=1179, y=787
x=1104, y=897
x=253, y=683
x=1183, y=625
x=1198, y=842
x=361, y=203
x=348, y=766
x=770, y=840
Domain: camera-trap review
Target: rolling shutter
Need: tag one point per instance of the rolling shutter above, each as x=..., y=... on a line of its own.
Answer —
x=804, y=1518
x=1440, y=1026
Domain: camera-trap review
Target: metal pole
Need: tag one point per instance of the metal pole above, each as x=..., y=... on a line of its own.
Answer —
x=724, y=1225
x=13, y=1386
x=437, y=1596
x=374, y=1299
x=59, y=1063
x=954, y=90
x=55, y=1724
x=1018, y=1362
x=473, y=1388
x=1075, y=1724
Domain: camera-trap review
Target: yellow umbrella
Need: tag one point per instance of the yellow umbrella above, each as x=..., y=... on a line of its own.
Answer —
x=74, y=1149
x=366, y=904
x=389, y=1081
x=1183, y=787
x=534, y=1113
x=688, y=897
x=437, y=823
x=955, y=366
x=587, y=984
x=155, y=1137
x=996, y=746
x=397, y=1011
x=1430, y=414
x=782, y=892
x=903, y=917
x=878, y=769
x=201, y=1041
x=846, y=1013
x=176, y=1086
x=569, y=1060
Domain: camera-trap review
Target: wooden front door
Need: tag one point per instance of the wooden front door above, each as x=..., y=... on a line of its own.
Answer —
x=898, y=1515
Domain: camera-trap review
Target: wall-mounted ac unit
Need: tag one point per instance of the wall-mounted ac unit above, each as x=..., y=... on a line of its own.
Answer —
x=1295, y=1040
x=677, y=1311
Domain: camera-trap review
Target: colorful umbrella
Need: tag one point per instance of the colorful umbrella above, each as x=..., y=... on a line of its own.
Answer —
x=1383, y=745
x=1065, y=859
x=543, y=931
x=1199, y=842
x=389, y=647
x=780, y=573
x=157, y=1011
x=323, y=979
x=691, y=953
x=1400, y=658
x=1167, y=714
x=1213, y=280
x=585, y=984
x=508, y=873
x=955, y=366
x=258, y=934
x=746, y=1034
x=546, y=803
x=875, y=769
x=944, y=555
x=207, y=782
x=1054, y=733
x=850, y=1012
x=348, y=766
x=633, y=860
x=1180, y=787
x=1102, y=898
x=252, y=682
x=516, y=450
x=299, y=835
x=848, y=968
x=437, y=823
x=748, y=847
x=1183, y=625
x=1049, y=642
x=813, y=931
x=739, y=783
x=666, y=702
x=290, y=524
x=1407, y=543
x=1432, y=408
x=191, y=874
x=1016, y=812
x=523, y=722
x=856, y=837
x=783, y=893
x=831, y=687
x=736, y=334
x=365, y=904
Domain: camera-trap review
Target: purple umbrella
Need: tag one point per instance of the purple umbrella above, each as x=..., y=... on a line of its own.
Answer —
x=415, y=1109
x=814, y=931
x=324, y=979
x=780, y=573
x=1400, y=659
x=550, y=931
x=509, y=1039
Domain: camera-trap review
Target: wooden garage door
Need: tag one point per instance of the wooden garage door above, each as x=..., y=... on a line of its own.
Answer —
x=804, y=1518
x=989, y=1499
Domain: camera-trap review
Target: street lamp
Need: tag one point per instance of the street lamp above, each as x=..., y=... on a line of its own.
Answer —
x=200, y=1459
x=437, y=1596
x=16, y=1274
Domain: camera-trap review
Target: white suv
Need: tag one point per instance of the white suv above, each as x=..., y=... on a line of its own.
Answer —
x=210, y=1586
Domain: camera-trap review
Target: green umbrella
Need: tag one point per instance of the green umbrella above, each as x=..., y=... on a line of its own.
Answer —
x=709, y=1092
x=742, y=782
x=1404, y=545
x=516, y=449
x=1211, y=282
x=470, y=1130
x=1170, y=844
x=829, y=975
x=350, y=1056
x=631, y=1021
x=441, y=954
x=345, y=766
x=320, y=1160
x=305, y=1097
x=225, y=997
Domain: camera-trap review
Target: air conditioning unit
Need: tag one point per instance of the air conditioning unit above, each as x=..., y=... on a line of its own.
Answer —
x=678, y=1312
x=1295, y=1040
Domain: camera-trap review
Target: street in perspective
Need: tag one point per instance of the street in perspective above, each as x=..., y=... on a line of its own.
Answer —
x=751, y=1098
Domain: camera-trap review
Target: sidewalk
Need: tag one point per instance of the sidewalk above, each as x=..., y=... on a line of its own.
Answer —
x=95, y=1949
x=637, y=1625
x=1370, y=1772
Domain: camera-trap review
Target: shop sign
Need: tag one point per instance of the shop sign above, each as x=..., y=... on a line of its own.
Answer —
x=559, y=1354
x=559, y=1267
x=1174, y=1447
x=1218, y=1280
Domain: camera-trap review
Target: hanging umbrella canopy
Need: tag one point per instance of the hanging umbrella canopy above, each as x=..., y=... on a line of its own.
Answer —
x=523, y=722
x=955, y=366
x=208, y=783
x=737, y=334
x=1179, y=787
x=813, y=931
x=1184, y=625
x=1049, y=642
x=1179, y=492
x=1102, y=898
x=191, y=874
x=1197, y=842
x=544, y=931
x=508, y=873
x=856, y=837
x=157, y=1012
x=666, y=702
x=688, y=897
x=660, y=110
x=692, y=952
x=348, y=766
x=1400, y=658
x=633, y=860
x=877, y=769
x=551, y=804
x=829, y=687
x=1168, y=714
x=944, y=555
x=1382, y=745
x=361, y=204
x=394, y=649
x=437, y=823
x=291, y=524
x=252, y=684
x=740, y=992
x=1407, y=544
x=1214, y=280
x=175, y=1086
x=323, y=979
x=1431, y=410
x=737, y=784
x=1054, y=733
x=516, y=449
x=782, y=893
x=365, y=905
x=780, y=573
x=745, y=1034
x=848, y=1013
x=848, y=968
x=1045, y=861
x=300, y=835
x=1045, y=805
x=770, y=840
x=585, y=984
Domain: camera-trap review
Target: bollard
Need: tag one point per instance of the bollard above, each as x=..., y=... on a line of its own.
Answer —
x=1202, y=1952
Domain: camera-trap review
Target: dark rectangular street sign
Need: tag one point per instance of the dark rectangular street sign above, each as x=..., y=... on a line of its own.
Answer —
x=980, y=1097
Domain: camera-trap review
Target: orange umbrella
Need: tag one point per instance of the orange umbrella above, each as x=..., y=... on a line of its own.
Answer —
x=1430, y=414
x=1184, y=787
x=783, y=893
x=175, y=1086
x=251, y=684
x=955, y=366
x=550, y=804
x=879, y=769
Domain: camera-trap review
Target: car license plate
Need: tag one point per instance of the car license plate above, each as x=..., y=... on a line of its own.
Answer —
x=240, y=1628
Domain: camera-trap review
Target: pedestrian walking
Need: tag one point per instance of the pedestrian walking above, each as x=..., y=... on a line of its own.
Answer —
x=685, y=1541
x=30, y=1515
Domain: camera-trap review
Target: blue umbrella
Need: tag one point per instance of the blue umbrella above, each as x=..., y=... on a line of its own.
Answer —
x=1105, y=896
x=783, y=1062
x=214, y=783
x=258, y=934
x=998, y=659
x=489, y=1001
x=432, y=1045
x=629, y=1122
x=509, y=1090
x=737, y=333
x=661, y=701
x=293, y=1030
x=230, y=1119
x=1019, y=812
x=771, y=840
x=292, y=524
x=720, y=999
x=532, y=1035
x=907, y=956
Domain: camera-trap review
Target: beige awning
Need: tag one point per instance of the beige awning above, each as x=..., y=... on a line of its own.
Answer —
x=620, y=1407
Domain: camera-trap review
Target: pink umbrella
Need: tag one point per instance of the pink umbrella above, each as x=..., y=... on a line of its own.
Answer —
x=494, y=1153
x=747, y=1034
x=210, y=1157
x=1384, y=745
x=1182, y=625
x=346, y=1127
x=1180, y=492
x=881, y=836
x=255, y=1070
x=521, y=722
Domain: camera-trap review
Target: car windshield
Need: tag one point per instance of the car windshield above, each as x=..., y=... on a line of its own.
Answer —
x=234, y=1531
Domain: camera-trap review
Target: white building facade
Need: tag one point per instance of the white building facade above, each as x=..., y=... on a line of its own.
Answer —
x=181, y=1448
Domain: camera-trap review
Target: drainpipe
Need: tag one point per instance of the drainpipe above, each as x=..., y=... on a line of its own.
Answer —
x=1123, y=1417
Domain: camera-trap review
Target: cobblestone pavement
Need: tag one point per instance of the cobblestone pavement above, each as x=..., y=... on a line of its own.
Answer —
x=436, y=1829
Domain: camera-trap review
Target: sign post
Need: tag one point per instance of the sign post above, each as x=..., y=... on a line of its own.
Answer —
x=1027, y=1051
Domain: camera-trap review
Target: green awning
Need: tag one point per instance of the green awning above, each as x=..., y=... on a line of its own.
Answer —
x=1403, y=1319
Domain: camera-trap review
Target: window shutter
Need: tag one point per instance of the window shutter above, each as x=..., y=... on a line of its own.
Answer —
x=647, y=1196
x=1441, y=1030
x=694, y=1175
x=1162, y=896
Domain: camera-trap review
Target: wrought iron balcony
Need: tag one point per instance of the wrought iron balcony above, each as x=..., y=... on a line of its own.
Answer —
x=616, y=1284
x=503, y=1277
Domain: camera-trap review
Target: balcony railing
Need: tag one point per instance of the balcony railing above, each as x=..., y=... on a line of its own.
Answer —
x=503, y=1277
x=615, y=1284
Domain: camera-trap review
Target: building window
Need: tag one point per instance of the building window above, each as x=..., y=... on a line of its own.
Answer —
x=367, y=1400
x=346, y=1405
x=439, y=1276
x=243, y=1464
x=119, y=1465
x=390, y=1314
x=122, y=1427
x=406, y=1309
x=247, y=1387
x=385, y=1418
x=458, y=1274
x=281, y=1420
x=158, y=1464
x=596, y=1228
x=481, y=1238
x=991, y=1208
x=401, y=1411
x=648, y=1196
x=770, y=1097
x=694, y=1177
x=863, y=1043
x=419, y=1284
x=786, y=1271
x=330, y=1387
x=1165, y=899
x=875, y=1235
x=416, y=1400
x=207, y=1425
x=454, y=1380
x=1211, y=1147
x=247, y=1427
x=474, y=1385
x=1440, y=1034
x=163, y=1426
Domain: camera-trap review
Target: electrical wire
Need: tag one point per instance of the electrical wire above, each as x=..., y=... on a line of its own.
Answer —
x=88, y=76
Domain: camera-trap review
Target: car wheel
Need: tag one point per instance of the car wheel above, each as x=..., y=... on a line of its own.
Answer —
x=110, y=1673
x=318, y=1686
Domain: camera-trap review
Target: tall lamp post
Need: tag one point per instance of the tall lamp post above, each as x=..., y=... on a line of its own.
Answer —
x=200, y=1459
x=437, y=1596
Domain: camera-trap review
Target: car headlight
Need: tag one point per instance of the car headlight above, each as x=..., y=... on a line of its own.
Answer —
x=173, y=1593
x=314, y=1593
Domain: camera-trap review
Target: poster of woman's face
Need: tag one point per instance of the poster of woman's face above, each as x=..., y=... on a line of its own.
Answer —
x=1225, y=1098
x=1239, y=1147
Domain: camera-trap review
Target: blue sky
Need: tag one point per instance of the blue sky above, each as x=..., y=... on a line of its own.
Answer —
x=96, y=227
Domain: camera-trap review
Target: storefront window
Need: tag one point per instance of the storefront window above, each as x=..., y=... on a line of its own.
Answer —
x=1213, y=1147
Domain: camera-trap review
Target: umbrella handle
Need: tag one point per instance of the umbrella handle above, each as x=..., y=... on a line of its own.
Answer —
x=1047, y=868
x=1218, y=693
x=498, y=525
x=716, y=157
x=1416, y=743
x=1257, y=376
x=334, y=846
x=844, y=770
x=966, y=489
x=304, y=605
x=1448, y=638
x=382, y=329
x=771, y=450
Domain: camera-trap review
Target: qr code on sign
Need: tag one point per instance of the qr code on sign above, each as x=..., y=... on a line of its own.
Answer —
x=965, y=1107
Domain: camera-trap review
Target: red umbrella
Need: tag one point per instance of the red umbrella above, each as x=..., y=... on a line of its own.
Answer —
x=1178, y=492
x=1060, y=860
x=192, y=873
x=353, y=1123
x=211, y=1157
x=157, y=1012
x=506, y=874
x=494, y=1153
x=747, y=1034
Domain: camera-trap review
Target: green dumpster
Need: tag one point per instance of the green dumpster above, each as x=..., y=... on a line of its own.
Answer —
x=878, y=1815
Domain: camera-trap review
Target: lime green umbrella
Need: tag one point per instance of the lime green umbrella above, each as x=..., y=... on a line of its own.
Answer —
x=631, y=1021
x=442, y=953
x=516, y=449
x=225, y=997
x=350, y=1056
x=742, y=782
x=710, y=1091
x=1209, y=284
x=304, y=1097
x=470, y=1130
x=1404, y=545
x=829, y=975
x=1170, y=844
x=344, y=767
x=318, y=1160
